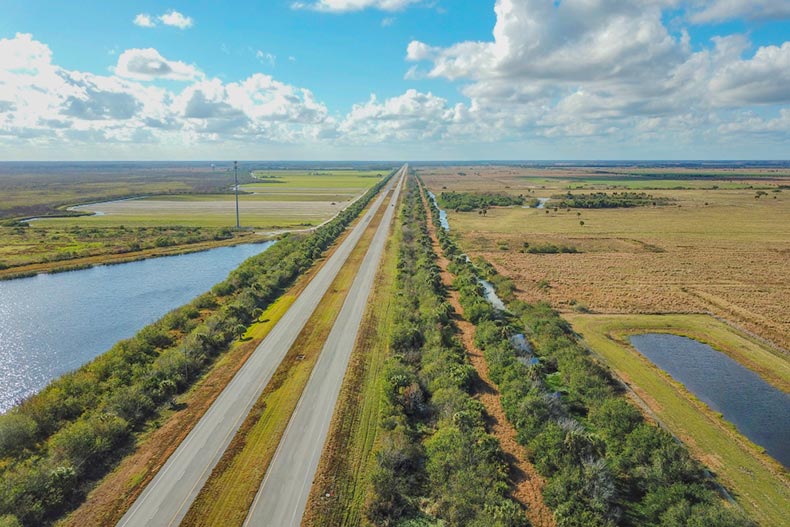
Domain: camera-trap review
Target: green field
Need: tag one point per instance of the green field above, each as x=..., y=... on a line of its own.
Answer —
x=285, y=200
x=759, y=484
x=287, y=195
x=219, y=214
x=318, y=178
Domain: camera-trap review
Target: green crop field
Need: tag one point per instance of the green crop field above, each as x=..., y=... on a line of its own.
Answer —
x=324, y=180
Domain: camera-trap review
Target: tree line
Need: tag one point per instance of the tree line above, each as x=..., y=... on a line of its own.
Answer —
x=602, y=200
x=604, y=464
x=56, y=444
x=436, y=465
x=469, y=201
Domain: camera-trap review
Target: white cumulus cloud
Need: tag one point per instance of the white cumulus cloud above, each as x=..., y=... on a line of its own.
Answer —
x=721, y=10
x=176, y=19
x=171, y=18
x=603, y=69
x=144, y=20
x=763, y=79
x=148, y=64
x=45, y=105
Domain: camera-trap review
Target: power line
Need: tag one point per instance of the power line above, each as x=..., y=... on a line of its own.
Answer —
x=236, y=179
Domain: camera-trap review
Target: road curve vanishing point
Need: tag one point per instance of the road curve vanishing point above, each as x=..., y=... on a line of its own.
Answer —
x=283, y=495
x=167, y=498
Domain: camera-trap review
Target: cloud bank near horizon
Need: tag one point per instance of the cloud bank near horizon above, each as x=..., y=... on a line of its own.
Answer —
x=582, y=73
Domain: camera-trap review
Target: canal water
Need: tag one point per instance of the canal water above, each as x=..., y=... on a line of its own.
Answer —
x=442, y=214
x=758, y=410
x=53, y=323
x=491, y=296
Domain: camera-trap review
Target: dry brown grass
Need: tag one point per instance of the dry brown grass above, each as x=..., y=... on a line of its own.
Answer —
x=715, y=251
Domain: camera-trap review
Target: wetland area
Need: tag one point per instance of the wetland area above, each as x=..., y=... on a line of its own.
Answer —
x=671, y=252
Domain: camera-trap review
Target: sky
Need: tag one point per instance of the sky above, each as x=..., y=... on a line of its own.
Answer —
x=395, y=79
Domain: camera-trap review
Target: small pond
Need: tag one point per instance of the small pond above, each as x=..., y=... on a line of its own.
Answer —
x=758, y=410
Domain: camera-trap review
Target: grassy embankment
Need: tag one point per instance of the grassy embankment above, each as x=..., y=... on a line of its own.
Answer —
x=230, y=490
x=759, y=484
x=347, y=461
x=31, y=251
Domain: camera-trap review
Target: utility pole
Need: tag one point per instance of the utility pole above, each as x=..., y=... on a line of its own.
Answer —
x=236, y=179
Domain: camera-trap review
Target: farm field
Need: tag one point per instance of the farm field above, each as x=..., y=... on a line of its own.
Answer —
x=283, y=180
x=511, y=178
x=158, y=212
x=760, y=484
x=283, y=200
x=721, y=251
x=183, y=208
x=39, y=189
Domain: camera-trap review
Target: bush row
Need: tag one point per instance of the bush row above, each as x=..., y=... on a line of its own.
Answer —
x=602, y=200
x=436, y=464
x=604, y=465
x=55, y=444
x=468, y=201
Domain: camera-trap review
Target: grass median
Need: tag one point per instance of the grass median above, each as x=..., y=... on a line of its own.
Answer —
x=341, y=482
x=230, y=490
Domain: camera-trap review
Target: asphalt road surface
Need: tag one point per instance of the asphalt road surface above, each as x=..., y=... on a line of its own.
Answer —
x=167, y=498
x=281, y=500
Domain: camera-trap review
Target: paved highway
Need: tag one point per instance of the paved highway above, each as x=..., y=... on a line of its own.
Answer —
x=166, y=499
x=281, y=500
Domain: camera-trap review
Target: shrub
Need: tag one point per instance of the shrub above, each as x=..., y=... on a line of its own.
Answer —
x=17, y=431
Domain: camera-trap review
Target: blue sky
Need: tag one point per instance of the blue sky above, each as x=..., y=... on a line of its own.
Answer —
x=396, y=79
